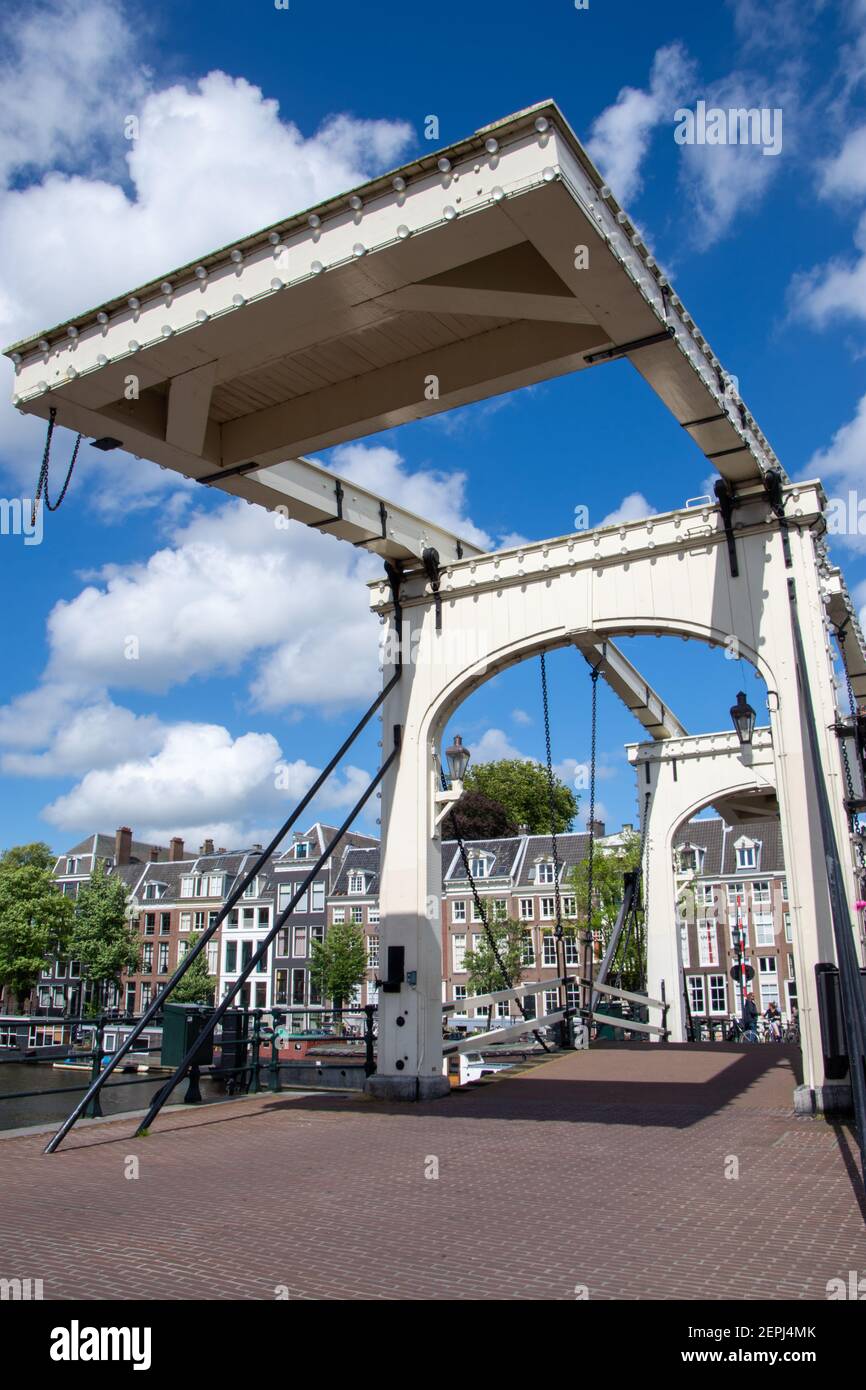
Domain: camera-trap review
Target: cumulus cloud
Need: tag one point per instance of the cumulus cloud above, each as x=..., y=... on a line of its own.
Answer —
x=620, y=136
x=86, y=213
x=841, y=468
x=834, y=290
x=493, y=745
x=521, y=717
x=429, y=493
x=633, y=507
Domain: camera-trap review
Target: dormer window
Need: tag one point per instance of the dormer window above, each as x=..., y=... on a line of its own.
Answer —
x=302, y=849
x=748, y=853
x=252, y=889
x=480, y=865
x=690, y=859
x=190, y=886
x=155, y=889
x=544, y=871
x=357, y=883
x=72, y=866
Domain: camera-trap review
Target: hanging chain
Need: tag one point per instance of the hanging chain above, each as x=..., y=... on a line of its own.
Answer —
x=42, y=483
x=551, y=799
x=860, y=851
x=590, y=865
x=479, y=908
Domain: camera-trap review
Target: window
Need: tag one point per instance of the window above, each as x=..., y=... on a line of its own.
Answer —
x=500, y=909
x=284, y=896
x=263, y=917
x=74, y=969
x=186, y=921
x=569, y=905
x=735, y=891
x=155, y=889
x=182, y=948
x=129, y=1002
x=544, y=873
x=164, y=923
x=786, y=917
x=526, y=910
x=211, y=951
x=697, y=999
x=146, y=995
x=356, y=883
x=527, y=949
x=302, y=849
x=529, y=1005
x=299, y=978
x=372, y=952
x=480, y=865
x=690, y=859
x=684, y=944
x=548, y=909
x=216, y=885
x=459, y=992
x=162, y=964
x=261, y=995
x=784, y=890
x=338, y=916
x=198, y=921
x=765, y=932
x=705, y=894
x=708, y=944
x=149, y=923
x=231, y=957
x=301, y=904
x=748, y=854
x=281, y=986
x=768, y=976
x=761, y=892
x=246, y=953
x=147, y=957
x=373, y=916
x=551, y=1001
x=356, y=916
x=571, y=951
x=317, y=903
x=300, y=949
x=283, y=942
x=718, y=987
x=252, y=889
x=548, y=948
x=476, y=915
x=317, y=933
x=741, y=932
x=458, y=951
x=72, y=866
x=190, y=886
x=458, y=912
x=502, y=1009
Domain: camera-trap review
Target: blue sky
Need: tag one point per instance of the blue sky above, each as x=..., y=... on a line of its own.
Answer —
x=248, y=113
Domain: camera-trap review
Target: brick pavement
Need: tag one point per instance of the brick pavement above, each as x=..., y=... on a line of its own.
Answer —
x=603, y=1169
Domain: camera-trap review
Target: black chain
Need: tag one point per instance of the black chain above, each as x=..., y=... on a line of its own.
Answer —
x=849, y=778
x=590, y=867
x=479, y=908
x=551, y=799
x=42, y=484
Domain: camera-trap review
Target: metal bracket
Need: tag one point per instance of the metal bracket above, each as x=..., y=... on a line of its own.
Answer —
x=430, y=559
x=608, y=354
x=772, y=480
x=728, y=501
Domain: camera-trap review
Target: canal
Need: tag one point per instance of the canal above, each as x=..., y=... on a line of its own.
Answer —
x=118, y=1095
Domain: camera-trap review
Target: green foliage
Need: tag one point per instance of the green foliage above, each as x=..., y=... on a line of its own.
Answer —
x=35, y=917
x=609, y=866
x=521, y=788
x=484, y=974
x=102, y=937
x=478, y=817
x=339, y=962
x=197, y=986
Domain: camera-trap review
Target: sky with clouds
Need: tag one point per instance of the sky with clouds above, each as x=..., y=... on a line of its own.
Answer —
x=255, y=648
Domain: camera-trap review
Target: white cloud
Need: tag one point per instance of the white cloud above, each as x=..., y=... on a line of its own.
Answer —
x=834, y=290
x=633, y=507
x=90, y=737
x=845, y=173
x=213, y=160
x=841, y=466
x=521, y=717
x=430, y=493
x=620, y=136
x=200, y=782
x=495, y=744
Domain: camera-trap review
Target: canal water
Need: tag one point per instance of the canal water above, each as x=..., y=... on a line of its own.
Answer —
x=118, y=1095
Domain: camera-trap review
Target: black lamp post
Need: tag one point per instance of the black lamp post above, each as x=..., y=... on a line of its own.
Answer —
x=743, y=717
x=458, y=759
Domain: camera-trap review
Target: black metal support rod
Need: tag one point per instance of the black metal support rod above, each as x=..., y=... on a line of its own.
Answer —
x=261, y=953
x=853, y=1000
x=232, y=900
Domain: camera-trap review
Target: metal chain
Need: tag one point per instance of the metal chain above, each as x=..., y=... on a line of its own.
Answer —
x=590, y=867
x=551, y=799
x=860, y=852
x=42, y=483
x=479, y=907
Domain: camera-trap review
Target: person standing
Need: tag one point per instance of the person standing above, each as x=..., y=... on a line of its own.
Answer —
x=749, y=1017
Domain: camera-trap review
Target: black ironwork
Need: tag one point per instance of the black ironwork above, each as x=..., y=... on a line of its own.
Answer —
x=232, y=900
x=608, y=354
x=262, y=951
x=42, y=481
x=728, y=501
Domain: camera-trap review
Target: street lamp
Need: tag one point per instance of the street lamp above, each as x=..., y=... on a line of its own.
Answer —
x=458, y=759
x=743, y=717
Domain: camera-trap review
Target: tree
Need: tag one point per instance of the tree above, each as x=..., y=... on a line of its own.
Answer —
x=485, y=976
x=521, y=788
x=35, y=917
x=197, y=986
x=102, y=937
x=339, y=962
x=609, y=867
x=478, y=817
